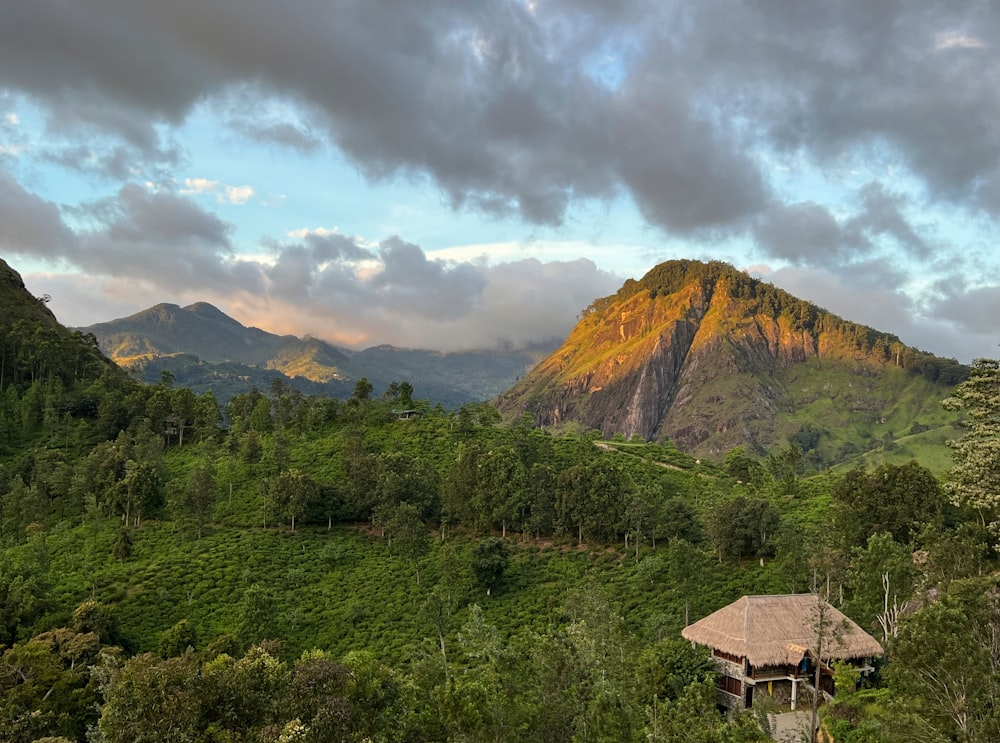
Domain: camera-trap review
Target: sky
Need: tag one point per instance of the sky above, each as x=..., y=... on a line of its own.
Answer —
x=473, y=173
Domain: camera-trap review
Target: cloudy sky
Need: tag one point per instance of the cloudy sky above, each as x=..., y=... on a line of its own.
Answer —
x=456, y=173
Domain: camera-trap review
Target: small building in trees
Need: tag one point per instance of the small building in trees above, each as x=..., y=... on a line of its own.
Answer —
x=772, y=644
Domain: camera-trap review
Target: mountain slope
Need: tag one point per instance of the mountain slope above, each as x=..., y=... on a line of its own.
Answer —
x=711, y=358
x=34, y=346
x=206, y=332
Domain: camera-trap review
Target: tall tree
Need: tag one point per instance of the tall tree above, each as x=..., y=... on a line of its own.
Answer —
x=974, y=480
x=489, y=562
x=745, y=527
x=408, y=535
x=292, y=493
x=152, y=699
x=899, y=500
x=500, y=496
x=201, y=494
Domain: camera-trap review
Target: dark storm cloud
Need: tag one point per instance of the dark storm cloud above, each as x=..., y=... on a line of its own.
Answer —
x=973, y=309
x=808, y=233
x=164, y=239
x=30, y=225
x=804, y=233
x=883, y=213
x=512, y=107
x=485, y=98
x=916, y=80
x=396, y=278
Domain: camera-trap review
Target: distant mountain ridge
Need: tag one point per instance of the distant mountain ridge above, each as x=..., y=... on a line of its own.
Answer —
x=206, y=349
x=711, y=358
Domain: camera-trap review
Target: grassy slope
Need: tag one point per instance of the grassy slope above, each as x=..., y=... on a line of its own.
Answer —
x=821, y=391
x=343, y=589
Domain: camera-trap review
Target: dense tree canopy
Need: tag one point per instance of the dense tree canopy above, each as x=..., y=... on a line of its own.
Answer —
x=899, y=500
x=974, y=481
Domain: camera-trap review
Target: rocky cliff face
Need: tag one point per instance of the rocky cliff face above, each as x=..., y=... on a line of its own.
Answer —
x=698, y=353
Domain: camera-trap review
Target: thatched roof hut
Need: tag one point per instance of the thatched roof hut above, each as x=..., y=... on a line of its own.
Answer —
x=781, y=630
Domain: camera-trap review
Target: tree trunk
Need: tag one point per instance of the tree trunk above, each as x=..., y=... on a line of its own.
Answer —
x=444, y=657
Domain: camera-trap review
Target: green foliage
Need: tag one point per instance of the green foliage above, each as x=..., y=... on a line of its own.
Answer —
x=899, y=500
x=879, y=581
x=49, y=687
x=291, y=495
x=945, y=658
x=122, y=549
x=489, y=562
x=200, y=496
x=94, y=617
x=179, y=639
x=408, y=535
x=673, y=664
x=974, y=480
x=257, y=619
x=745, y=527
x=362, y=390
x=22, y=595
x=150, y=699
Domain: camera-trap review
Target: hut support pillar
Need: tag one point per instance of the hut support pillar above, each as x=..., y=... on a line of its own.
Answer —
x=795, y=691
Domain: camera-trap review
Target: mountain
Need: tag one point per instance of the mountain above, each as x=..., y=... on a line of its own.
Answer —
x=206, y=349
x=711, y=358
x=204, y=331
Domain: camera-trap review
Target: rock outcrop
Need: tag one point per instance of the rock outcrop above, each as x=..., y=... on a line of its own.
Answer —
x=706, y=356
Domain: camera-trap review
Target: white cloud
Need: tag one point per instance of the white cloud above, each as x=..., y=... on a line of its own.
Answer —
x=620, y=258
x=238, y=195
x=955, y=40
x=12, y=119
x=302, y=232
x=199, y=185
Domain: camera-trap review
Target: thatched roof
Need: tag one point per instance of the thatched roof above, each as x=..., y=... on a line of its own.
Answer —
x=780, y=630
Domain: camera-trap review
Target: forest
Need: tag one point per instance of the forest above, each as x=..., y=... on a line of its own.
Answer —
x=294, y=568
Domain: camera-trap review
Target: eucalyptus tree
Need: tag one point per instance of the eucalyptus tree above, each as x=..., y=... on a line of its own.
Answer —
x=408, y=535
x=200, y=498
x=291, y=494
